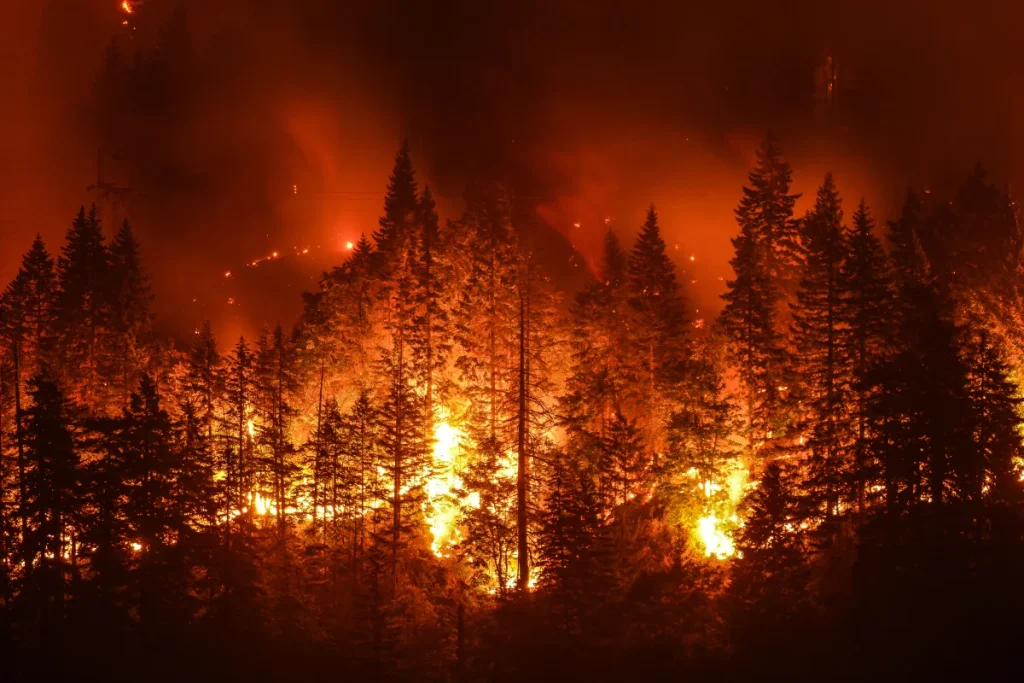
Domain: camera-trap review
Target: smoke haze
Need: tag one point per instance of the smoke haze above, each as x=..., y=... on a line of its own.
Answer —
x=278, y=131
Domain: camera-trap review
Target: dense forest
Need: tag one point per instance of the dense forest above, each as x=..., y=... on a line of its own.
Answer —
x=452, y=469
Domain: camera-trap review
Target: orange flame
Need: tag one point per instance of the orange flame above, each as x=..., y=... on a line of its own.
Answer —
x=127, y=7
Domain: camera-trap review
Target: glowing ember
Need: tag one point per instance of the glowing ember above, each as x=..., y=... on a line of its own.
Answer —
x=127, y=7
x=349, y=246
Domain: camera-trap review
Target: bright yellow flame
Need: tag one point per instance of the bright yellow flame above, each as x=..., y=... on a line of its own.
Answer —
x=349, y=245
x=713, y=531
x=126, y=6
x=441, y=509
x=262, y=505
x=136, y=547
x=716, y=541
x=252, y=429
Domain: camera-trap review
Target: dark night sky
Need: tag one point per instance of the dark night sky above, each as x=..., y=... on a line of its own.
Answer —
x=594, y=109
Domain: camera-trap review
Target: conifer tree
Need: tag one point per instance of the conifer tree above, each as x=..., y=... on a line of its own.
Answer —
x=702, y=452
x=602, y=380
x=239, y=378
x=405, y=455
x=486, y=315
x=158, y=506
x=766, y=213
x=431, y=332
x=130, y=316
x=401, y=210
x=8, y=486
x=489, y=516
x=572, y=530
x=991, y=465
x=661, y=323
x=769, y=582
x=750, y=321
x=106, y=534
x=533, y=342
x=203, y=386
x=765, y=264
x=911, y=269
x=277, y=381
x=83, y=307
x=921, y=410
x=361, y=440
x=330, y=483
x=50, y=505
x=868, y=318
x=27, y=310
x=818, y=331
x=623, y=468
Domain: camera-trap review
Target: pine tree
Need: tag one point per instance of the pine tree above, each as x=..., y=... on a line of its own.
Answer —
x=769, y=582
x=157, y=505
x=486, y=313
x=130, y=316
x=750, y=322
x=661, y=323
x=532, y=415
x=50, y=506
x=702, y=452
x=276, y=378
x=603, y=378
x=27, y=308
x=920, y=410
x=572, y=543
x=766, y=265
x=766, y=213
x=105, y=601
x=8, y=486
x=239, y=378
x=28, y=329
x=83, y=308
x=868, y=317
x=401, y=210
x=818, y=332
x=361, y=440
x=910, y=263
x=330, y=485
x=489, y=496
x=405, y=455
x=991, y=465
x=431, y=332
x=203, y=386
x=623, y=469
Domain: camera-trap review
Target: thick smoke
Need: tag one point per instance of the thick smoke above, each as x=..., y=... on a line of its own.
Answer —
x=278, y=130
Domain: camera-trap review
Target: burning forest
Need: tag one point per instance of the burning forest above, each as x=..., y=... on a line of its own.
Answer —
x=480, y=453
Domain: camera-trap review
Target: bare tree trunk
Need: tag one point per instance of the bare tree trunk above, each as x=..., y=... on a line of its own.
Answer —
x=318, y=466
x=397, y=512
x=20, y=438
x=522, y=478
